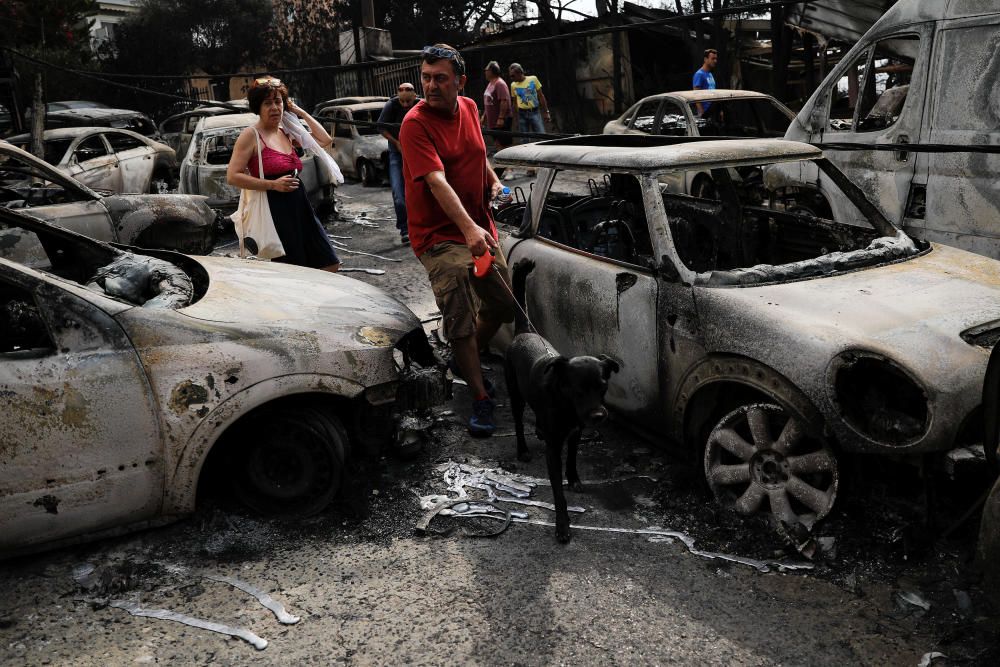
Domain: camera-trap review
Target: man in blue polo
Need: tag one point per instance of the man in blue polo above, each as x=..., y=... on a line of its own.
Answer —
x=703, y=79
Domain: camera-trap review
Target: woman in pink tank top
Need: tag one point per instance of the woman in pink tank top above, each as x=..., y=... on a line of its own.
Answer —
x=302, y=234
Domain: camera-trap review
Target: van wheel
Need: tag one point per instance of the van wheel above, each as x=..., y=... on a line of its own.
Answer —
x=759, y=452
x=367, y=173
x=288, y=461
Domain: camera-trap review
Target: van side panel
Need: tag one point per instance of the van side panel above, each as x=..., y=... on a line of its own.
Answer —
x=963, y=189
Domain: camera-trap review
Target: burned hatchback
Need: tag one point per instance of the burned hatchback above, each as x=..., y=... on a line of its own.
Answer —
x=767, y=341
x=124, y=374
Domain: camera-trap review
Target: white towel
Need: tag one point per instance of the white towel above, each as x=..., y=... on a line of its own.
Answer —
x=294, y=127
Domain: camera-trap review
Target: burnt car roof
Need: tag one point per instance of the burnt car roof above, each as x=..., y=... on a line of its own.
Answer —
x=710, y=95
x=74, y=132
x=645, y=154
x=93, y=113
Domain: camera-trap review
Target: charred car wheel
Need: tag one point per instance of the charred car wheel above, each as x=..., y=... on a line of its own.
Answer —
x=759, y=453
x=289, y=461
x=367, y=173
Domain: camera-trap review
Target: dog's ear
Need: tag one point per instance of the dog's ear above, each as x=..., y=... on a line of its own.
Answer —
x=608, y=365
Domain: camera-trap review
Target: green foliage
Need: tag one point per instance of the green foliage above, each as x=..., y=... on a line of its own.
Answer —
x=59, y=25
x=171, y=36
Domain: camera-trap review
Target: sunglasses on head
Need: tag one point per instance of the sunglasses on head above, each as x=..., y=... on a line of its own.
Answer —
x=267, y=81
x=447, y=54
x=406, y=89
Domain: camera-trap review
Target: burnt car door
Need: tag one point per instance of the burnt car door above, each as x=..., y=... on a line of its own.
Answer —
x=94, y=164
x=593, y=290
x=135, y=160
x=80, y=448
x=878, y=99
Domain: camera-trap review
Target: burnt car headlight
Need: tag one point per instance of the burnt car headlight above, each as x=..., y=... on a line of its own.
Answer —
x=878, y=399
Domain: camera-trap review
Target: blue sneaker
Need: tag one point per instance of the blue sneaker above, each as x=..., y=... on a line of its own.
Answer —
x=481, y=422
x=491, y=391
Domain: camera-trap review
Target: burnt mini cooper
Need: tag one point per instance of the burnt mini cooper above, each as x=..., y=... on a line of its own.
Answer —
x=125, y=374
x=767, y=341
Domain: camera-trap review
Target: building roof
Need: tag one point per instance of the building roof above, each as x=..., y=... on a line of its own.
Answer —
x=646, y=154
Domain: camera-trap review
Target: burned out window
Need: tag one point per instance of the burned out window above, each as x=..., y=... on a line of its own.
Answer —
x=673, y=122
x=367, y=116
x=600, y=214
x=123, y=142
x=845, y=94
x=342, y=130
x=887, y=83
x=90, y=149
x=760, y=118
x=967, y=97
x=645, y=116
x=22, y=329
x=218, y=148
x=173, y=125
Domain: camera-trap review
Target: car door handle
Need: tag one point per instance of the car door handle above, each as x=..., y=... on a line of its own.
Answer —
x=902, y=156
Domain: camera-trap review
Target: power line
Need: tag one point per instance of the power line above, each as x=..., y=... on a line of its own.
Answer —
x=680, y=18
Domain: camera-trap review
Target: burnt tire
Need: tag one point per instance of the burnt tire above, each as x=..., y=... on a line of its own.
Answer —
x=288, y=461
x=367, y=173
x=761, y=460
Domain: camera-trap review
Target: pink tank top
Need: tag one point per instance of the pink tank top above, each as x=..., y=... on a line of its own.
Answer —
x=275, y=162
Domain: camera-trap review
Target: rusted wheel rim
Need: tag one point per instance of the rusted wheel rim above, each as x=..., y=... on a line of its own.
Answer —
x=759, y=459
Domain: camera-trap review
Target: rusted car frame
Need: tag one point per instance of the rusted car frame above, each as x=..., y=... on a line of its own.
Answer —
x=125, y=373
x=360, y=151
x=174, y=222
x=742, y=330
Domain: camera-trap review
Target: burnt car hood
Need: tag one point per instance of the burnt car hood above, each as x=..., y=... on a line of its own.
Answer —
x=264, y=293
x=191, y=206
x=913, y=312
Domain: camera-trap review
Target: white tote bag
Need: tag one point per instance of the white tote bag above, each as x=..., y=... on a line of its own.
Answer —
x=253, y=222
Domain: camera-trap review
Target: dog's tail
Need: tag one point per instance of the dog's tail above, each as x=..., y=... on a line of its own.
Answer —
x=519, y=276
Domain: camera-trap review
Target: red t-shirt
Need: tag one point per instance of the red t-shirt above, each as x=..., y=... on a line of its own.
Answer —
x=451, y=143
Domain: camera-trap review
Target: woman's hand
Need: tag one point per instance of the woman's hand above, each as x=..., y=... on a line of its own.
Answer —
x=294, y=108
x=285, y=184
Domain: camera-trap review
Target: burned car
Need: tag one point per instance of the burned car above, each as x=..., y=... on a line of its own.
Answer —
x=178, y=129
x=731, y=113
x=359, y=150
x=174, y=222
x=107, y=159
x=203, y=169
x=122, y=119
x=124, y=373
x=766, y=342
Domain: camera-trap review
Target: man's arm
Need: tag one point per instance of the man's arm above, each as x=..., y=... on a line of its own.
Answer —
x=392, y=140
x=477, y=239
x=543, y=103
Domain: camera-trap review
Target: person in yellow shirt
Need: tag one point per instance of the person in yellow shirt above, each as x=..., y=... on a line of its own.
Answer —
x=531, y=102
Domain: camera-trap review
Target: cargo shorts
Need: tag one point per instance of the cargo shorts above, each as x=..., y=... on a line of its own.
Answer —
x=461, y=296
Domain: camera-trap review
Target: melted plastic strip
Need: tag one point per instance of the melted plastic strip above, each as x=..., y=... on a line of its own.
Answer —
x=759, y=565
x=276, y=607
x=166, y=615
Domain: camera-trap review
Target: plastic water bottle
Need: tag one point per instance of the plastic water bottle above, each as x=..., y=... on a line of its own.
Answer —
x=503, y=198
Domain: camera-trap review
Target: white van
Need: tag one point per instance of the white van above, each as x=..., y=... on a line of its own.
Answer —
x=925, y=73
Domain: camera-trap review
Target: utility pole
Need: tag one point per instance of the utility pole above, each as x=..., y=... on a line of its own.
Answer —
x=38, y=109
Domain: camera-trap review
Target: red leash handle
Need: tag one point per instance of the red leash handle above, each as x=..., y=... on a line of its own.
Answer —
x=481, y=265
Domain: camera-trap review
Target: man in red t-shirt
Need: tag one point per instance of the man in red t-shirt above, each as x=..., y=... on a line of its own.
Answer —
x=449, y=186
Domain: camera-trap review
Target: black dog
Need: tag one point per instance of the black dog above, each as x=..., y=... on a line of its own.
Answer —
x=565, y=395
